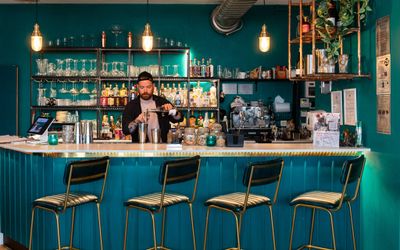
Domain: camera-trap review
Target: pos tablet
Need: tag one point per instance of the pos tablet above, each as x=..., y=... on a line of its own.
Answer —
x=39, y=128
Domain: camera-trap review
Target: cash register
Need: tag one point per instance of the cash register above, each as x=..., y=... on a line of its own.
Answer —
x=38, y=132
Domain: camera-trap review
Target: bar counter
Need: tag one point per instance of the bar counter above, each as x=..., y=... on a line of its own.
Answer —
x=162, y=150
x=31, y=171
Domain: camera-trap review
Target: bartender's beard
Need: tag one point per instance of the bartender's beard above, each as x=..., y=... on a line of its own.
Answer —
x=146, y=96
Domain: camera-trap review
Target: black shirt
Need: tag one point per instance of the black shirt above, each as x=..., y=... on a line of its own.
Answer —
x=133, y=110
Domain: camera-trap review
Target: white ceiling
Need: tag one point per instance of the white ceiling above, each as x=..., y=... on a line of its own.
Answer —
x=283, y=2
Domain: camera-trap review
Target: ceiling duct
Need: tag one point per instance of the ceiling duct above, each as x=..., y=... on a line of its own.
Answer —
x=226, y=18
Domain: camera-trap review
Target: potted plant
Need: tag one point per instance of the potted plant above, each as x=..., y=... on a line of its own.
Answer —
x=331, y=33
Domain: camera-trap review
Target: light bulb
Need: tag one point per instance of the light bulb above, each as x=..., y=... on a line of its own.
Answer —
x=264, y=40
x=36, y=38
x=147, y=38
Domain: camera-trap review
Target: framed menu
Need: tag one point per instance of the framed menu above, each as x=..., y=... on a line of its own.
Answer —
x=337, y=103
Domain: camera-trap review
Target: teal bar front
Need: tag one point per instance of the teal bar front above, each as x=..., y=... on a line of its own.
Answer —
x=25, y=177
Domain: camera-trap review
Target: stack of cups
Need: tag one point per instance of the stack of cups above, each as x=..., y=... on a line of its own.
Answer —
x=68, y=133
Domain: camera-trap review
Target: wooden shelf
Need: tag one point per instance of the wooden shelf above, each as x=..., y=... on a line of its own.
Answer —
x=64, y=107
x=330, y=77
x=63, y=78
x=307, y=37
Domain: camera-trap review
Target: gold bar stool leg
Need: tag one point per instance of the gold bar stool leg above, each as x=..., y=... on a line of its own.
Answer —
x=163, y=227
x=292, y=231
x=206, y=229
x=333, y=230
x=237, y=231
x=99, y=220
x=126, y=226
x=192, y=222
x=272, y=227
x=352, y=226
x=71, y=236
x=32, y=225
x=154, y=231
x=58, y=231
x=312, y=226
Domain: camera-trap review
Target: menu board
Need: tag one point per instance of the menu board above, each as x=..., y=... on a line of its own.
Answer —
x=383, y=36
x=337, y=103
x=383, y=78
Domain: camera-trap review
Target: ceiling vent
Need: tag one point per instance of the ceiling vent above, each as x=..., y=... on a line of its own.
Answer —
x=226, y=18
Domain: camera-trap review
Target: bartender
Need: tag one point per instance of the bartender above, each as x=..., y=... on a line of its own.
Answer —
x=139, y=110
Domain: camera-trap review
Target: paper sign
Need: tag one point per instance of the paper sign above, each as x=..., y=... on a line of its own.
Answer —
x=383, y=116
x=350, y=107
x=383, y=36
x=229, y=88
x=337, y=103
x=383, y=77
x=245, y=89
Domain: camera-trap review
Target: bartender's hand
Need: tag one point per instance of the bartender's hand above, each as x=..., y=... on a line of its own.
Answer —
x=167, y=106
x=141, y=118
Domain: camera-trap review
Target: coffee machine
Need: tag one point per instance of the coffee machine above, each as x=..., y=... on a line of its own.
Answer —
x=253, y=119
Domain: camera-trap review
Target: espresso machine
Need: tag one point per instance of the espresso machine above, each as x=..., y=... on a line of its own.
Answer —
x=253, y=119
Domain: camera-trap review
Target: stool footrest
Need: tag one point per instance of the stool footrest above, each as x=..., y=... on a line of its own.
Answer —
x=67, y=248
x=233, y=248
x=159, y=248
x=313, y=247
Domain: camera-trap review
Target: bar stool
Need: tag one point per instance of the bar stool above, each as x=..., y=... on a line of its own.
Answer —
x=171, y=172
x=331, y=202
x=237, y=203
x=78, y=172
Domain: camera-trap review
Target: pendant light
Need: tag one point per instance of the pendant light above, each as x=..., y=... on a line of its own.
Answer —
x=147, y=38
x=36, y=37
x=264, y=40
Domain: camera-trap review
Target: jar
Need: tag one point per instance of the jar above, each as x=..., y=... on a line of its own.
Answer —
x=190, y=136
x=52, y=139
x=211, y=140
x=202, y=136
x=221, y=139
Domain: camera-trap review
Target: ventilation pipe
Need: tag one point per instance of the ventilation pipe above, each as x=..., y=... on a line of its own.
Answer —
x=226, y=18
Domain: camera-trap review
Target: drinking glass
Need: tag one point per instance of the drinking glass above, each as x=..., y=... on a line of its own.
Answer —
x=67, y=71
x=42, y=66
x=53, y=91
x=63, y=89
x=75, y=71
x=122, y=71
x=84, y=89
x=59, y=70
x=114, y=71
x=166, y=70
x=175, y=70
x=93, y=70
x=104, y=69
x=116, y=30
x=83, y=71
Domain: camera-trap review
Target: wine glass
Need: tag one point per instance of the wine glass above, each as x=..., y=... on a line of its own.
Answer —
x=59, y=70
x=116, y=30
x=83, y=71
x=63, y=89
x=93, y=70
x=84, y=89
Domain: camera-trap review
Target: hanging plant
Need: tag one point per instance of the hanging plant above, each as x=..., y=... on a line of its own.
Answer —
x=347, y=16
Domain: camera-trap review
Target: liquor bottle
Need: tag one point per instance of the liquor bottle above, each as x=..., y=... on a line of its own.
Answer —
x=178, y=102
x=191, y=68
x=162, y=89
x=112, y=126
x=192, y=120
x=206, y=121
x=203, y=68
x=133, y=92
x=123, y=93
x=129, y=39
x=213, y=95
x=184, y=96
x=116, y=95
x=194, y=66
x=104, y=96
x=103, y=39
x=110, y=98
x=212, y=119
x=211, y=68
x=200, y=120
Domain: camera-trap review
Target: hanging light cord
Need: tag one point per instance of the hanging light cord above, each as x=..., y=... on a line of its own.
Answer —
x=36, y=11
x=147, y=11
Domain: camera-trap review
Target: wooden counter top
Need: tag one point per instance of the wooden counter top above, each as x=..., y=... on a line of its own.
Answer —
x=160, y=150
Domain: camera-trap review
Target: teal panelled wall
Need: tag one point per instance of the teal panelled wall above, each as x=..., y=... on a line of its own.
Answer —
x=380, y=197
x=187, y=23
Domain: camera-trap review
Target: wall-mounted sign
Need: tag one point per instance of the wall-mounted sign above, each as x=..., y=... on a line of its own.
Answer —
x=383, y=78
x=383, y=114
x=350, y=107
x=337, y=103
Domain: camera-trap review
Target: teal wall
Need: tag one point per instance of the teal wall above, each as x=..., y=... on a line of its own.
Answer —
x=380, y=198
x=187, y=23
